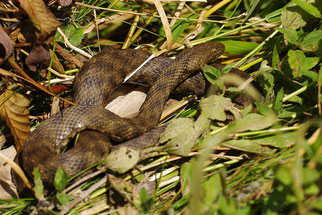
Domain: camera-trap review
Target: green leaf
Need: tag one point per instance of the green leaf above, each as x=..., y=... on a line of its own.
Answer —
x=280, y=140
x=61, y=179
x=181, y=137
x=63, y=198
x=181, y=25
x=290, y=35
x=185, y=178
x=283, y=174
x=312, y=41
x=299, y=63
x=213, y=187
x=211, y=73
x=214, y=107
x=308, y=8
x=248, y=146
x=39, y=187
x=253, y=122
x=275, y=55
x=74, y=35
x=122, y=159
x=292, y=19
x=238, y=47
x=279, y=100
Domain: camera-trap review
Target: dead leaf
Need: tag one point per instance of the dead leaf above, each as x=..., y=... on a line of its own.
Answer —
x=57, y=65
x=181, y=136
x=7, y=188
x=38, y=56
x=122, y=160
x=14, y=110
x=41, y=17
x=128, y=105
x=6, y=47
x=64, y=3
x=126, y=189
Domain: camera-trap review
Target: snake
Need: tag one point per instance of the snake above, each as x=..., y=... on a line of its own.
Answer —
x=92, y=87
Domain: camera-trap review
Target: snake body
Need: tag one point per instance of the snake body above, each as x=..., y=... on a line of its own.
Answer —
x=92, y=87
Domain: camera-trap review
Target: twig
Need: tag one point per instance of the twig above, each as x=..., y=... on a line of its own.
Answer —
x=67, y=43
x=70, y=58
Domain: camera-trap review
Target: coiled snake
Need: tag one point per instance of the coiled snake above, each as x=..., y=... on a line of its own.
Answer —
x=92, y=87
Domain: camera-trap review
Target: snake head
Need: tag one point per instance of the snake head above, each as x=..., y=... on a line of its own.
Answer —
x=205, y=53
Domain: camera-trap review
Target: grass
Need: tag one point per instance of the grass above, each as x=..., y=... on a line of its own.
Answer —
x=267, y=161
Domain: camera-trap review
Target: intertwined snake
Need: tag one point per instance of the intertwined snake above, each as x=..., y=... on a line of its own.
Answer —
x=92, y=87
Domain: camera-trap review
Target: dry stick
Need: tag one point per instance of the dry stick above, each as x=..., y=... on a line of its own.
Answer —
x=31, y=81
x=165, y=23
x=70, y=58
x=67, y=43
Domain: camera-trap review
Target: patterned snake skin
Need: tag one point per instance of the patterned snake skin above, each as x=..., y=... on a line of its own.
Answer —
x=92, y=87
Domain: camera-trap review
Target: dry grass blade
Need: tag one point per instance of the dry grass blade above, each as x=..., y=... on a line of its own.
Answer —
x=165, y=23
x=14, y=110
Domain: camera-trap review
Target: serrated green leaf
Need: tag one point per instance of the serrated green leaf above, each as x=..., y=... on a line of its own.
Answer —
x=312, y=41
x=63, y=198
x=248, y=146
x=292, y=19
x=211, y=73
x=74, y=35
x=39, y=187
x=122, y=159
x=308, y=8
x=181, y=136
x=290, y=35
x=299, y=63
x=61, y=179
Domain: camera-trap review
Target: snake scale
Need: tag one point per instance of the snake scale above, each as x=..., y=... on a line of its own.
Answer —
x=92, y=87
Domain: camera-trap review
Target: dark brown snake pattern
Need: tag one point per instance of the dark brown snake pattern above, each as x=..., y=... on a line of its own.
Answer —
x=92, y=87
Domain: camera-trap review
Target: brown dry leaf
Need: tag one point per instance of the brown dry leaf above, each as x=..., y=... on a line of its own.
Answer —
x=38, y=56
x=6, y=47
x=14, y=110
x=128, y=105
x=40, y=16
x=7, y=188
